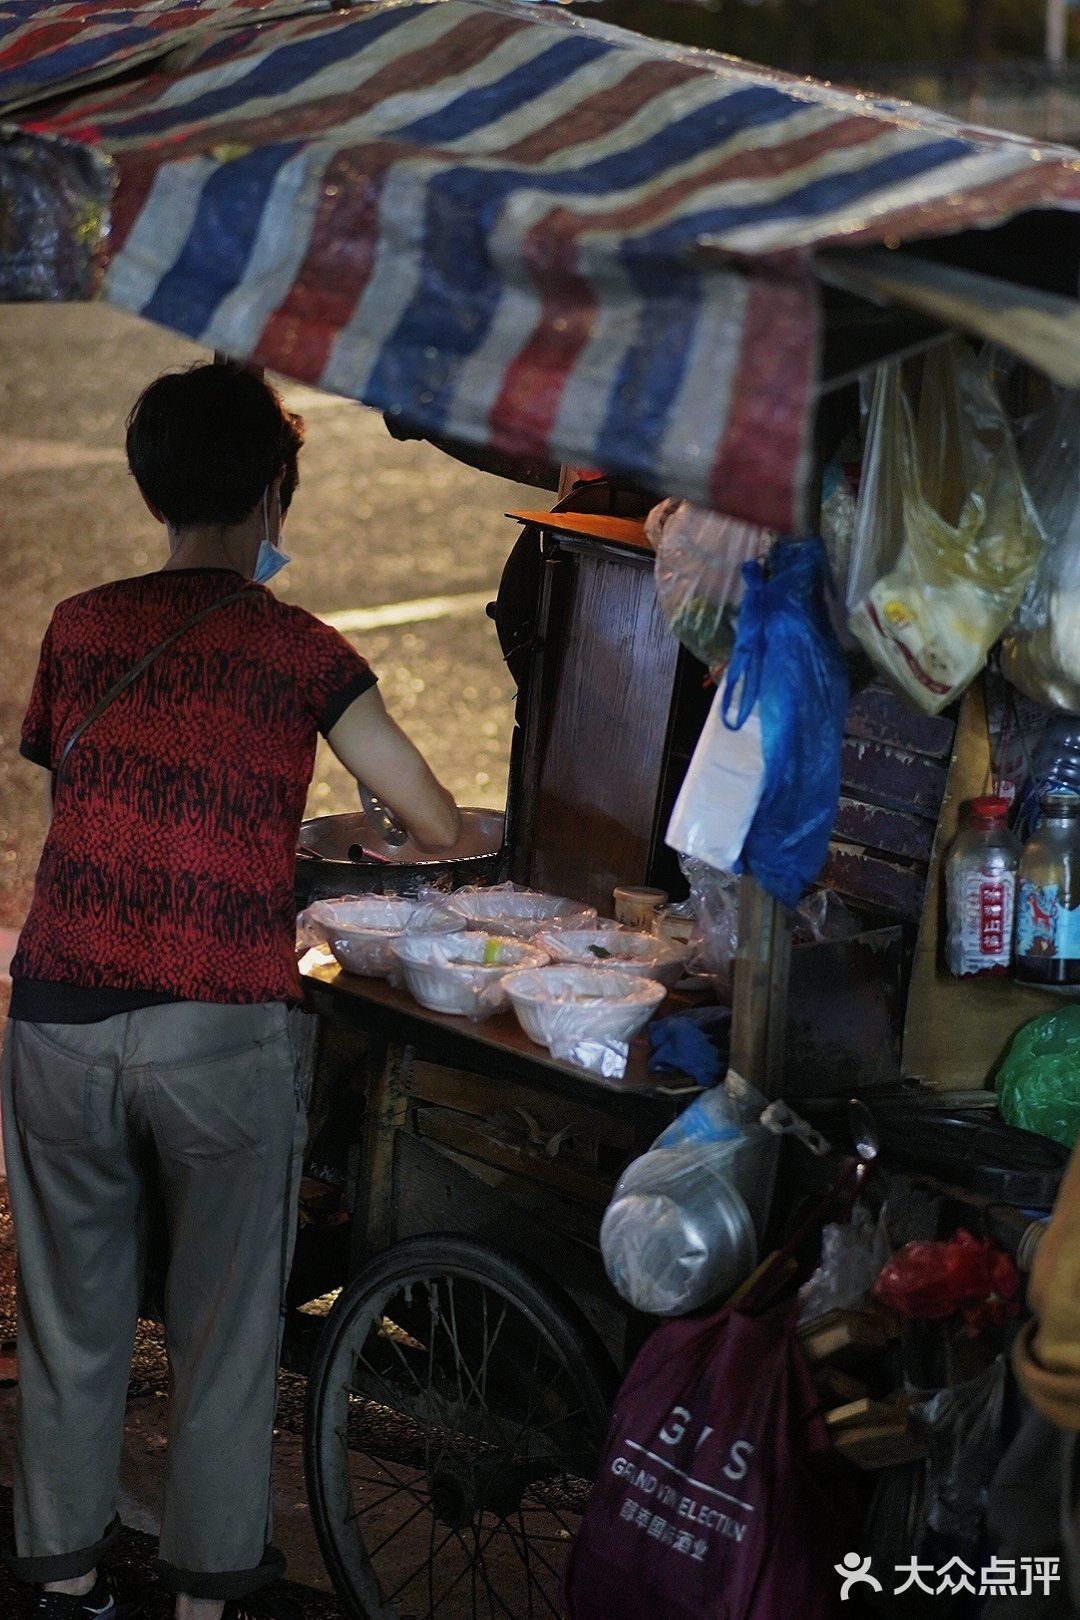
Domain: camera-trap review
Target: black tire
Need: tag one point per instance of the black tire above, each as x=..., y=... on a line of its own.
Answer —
x=480, y=1405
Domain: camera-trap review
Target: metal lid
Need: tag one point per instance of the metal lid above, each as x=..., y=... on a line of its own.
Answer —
x=1060, y=806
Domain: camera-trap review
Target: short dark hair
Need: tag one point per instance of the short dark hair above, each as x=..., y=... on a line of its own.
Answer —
x=203, y=444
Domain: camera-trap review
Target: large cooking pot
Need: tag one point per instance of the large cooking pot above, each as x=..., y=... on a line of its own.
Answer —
x=348, y=855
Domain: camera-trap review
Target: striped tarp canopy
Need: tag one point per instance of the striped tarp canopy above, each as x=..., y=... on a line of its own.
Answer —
x=46, y=49
x=521, y=229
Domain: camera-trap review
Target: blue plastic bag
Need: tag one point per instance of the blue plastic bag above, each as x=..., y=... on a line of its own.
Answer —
x=787, y=660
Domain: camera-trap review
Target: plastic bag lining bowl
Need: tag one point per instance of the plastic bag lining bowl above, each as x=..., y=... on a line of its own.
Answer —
x=628, y=952
x=504, y=909
x=360, y=930
x=562, y=1005
x=448, y=973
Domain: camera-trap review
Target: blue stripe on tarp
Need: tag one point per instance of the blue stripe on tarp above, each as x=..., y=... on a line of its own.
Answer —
x=77, y=55
x=646, y=383
x=811, y=200
x=473, y=109
x=281, y=71
x=215, y=256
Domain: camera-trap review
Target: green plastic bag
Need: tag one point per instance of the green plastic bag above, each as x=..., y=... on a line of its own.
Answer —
x=1038, y=1083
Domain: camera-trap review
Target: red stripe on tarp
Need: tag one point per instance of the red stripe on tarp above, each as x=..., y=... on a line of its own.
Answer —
x=523, y=414
x=759, y=467
x=39, y=40
x=597, y=116
x=134, y=182
x=1039, y=185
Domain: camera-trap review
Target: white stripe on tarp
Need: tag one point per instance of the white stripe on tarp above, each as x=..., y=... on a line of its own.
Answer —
x=586, y=393
x=956, y=178
x=281, y=243
x=348, y=72
x=356, y=621
x=393, y=281
x=158, y=235
x=699, y=412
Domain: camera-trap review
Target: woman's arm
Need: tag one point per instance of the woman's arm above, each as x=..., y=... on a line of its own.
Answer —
x=378, y=753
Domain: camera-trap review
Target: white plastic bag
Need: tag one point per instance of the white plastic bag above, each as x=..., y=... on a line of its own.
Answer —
x=721, y=791
x=946, y=534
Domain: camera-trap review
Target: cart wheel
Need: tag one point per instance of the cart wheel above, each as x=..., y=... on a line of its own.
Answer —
x=455, y=1416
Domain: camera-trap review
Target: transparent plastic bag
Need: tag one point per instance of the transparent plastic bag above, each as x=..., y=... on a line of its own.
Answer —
x=684, y=1224
x=506, y=908
x=54, y=217
x=946, y=536
x=619, y=949
x=360, y=930
x=852, y=1256
x=464, y=973
x=714, y=896
x=1041, y=652
x=584, y=1015
x=964, y=1430
x=699, y=559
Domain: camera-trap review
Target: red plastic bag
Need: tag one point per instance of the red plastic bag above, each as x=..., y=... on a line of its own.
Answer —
x=719, y=1495
x=966, y=1273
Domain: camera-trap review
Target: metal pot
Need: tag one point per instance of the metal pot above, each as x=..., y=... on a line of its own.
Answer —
x=348, y=855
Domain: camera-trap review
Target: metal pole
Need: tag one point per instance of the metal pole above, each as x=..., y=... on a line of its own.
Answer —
x=1056, y=19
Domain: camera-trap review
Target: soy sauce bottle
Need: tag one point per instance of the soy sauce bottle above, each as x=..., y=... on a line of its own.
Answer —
x=1048, y=896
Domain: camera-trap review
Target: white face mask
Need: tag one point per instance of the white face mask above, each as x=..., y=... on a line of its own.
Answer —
x=271, y=559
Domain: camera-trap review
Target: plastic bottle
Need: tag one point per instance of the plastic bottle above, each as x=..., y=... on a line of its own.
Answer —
x=980, y=887
x=1048, y=896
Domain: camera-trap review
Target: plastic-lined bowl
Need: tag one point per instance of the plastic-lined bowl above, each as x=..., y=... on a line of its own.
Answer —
x=521, y=913
x=616, y=950
x=561, y=1005
x=462, y=973
x=361, y=931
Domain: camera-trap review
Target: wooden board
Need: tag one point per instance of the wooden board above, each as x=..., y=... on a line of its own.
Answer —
x=957, y=1030
x=612, y=679
x=501, y=1035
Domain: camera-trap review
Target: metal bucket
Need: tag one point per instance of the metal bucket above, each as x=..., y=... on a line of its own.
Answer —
x=347, y=855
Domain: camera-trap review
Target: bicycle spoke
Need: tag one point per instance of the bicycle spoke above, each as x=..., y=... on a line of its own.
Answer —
x=398, y=1528
x=526, y=1545
x=491, y=1592
x=527, y=1541
x=372, y=1507
x=428, y=1569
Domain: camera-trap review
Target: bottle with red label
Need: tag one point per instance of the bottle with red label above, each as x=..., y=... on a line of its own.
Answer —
x=980, y=892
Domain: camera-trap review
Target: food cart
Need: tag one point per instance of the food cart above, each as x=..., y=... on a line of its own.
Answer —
x=540, y=241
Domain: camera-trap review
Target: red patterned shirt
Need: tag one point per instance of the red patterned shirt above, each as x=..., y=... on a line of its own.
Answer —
x=167, y=873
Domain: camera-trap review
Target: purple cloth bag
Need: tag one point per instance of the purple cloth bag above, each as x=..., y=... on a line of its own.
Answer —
x=720, y=1496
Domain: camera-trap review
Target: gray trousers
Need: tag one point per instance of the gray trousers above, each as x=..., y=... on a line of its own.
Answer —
x=200, y=1107
x=1034, y=1511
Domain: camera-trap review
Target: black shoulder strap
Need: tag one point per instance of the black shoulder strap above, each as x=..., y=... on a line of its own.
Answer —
x=136, y=670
